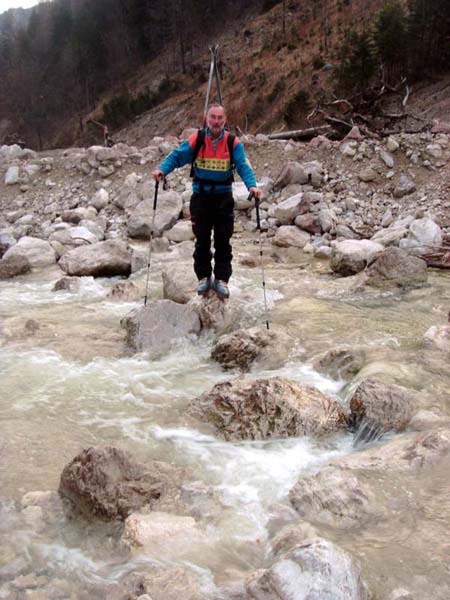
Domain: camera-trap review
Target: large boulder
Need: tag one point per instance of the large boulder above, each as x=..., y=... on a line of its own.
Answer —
x=179, y=283
x=168, y=210
x=424, y=236
x=106, y=483
x=38, y=252
x=238, y=350
x=14, y=265
x=211, y=311
x=352, y=256
x=344, y=493
x=289, y=209
x=314, y=568
x=245, y=409
x=377, y=407
x=396, y=268
x=102, y=259
x=156, y=327
x=294, y=172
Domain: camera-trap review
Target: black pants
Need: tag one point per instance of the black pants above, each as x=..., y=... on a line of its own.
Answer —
x=212, y=212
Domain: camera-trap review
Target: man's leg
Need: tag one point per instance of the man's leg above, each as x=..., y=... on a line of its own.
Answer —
x=223, y=230
x=202, y=225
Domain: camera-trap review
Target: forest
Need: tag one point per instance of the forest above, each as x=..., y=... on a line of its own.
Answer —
x=58, y=62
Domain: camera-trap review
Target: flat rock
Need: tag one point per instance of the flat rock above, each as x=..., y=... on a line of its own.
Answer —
x=179, y=283
x=289, y=209
x=291, y=235
x=102, y=259
x=341, y=363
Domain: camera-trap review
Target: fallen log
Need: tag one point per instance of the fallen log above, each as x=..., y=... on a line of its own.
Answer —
x=302, y=134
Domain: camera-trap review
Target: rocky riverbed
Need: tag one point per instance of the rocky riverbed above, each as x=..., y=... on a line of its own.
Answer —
x=181, y=448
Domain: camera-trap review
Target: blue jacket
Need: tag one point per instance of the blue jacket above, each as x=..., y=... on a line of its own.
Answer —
x=213, y=163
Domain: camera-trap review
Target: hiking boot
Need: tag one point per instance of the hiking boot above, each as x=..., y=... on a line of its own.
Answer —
x=221, y=288
x=204, y=285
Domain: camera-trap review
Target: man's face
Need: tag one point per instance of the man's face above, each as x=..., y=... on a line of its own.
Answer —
x=216, y=120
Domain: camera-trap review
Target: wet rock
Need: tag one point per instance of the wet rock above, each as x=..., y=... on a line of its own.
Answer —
x=167, y=582
x=179, y=283
x=238, y=350
x=341, y=363
x=437, y=336
x=211, y=311
x=102, y=259
x=14, y=265
x=156, y=327
x=396, y=268
x=334, y=496
x=38, y=252
x=139, y=224
x=165, y=535
x=69, y=284
x=106, y=483
x=352, y=256
x=314, y=568
x=245, y=409
x=376, y=408
x=125, y=291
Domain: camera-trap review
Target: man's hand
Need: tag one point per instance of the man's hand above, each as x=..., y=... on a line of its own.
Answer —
x=158, y=175
x=255, y=192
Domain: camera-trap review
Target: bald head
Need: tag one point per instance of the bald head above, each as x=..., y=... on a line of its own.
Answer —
x=215, y=119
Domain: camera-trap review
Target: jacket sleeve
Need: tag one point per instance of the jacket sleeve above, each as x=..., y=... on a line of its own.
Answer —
x=177, y=158
x=243, y=166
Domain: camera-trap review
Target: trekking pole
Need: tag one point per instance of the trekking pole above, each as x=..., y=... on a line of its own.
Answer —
x=155, y=200
x=208, y=89
x=217, y=75
x=258, y=225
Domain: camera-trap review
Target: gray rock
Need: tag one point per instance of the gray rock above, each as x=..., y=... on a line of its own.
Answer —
x=405, y=186
x=289, y=209
x=290, y=235
x=125, y=291
x=67, y=284
x=313, y=569
x=245, y=409
x=180, y=232
x=309, y=222
x=156, y=327
x=387, y=158
x=12, y=176
x=38, y=252
x=395, y=268
x=170, y=205
x=102, y=259
x=352, y=256
x=292, y=172
x=179, y=284
x=424, y=236
x=12, y=266
x=6, y=242
x=368, y=174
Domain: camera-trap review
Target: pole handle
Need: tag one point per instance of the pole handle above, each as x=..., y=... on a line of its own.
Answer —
x=155, y=198
x=258, y=218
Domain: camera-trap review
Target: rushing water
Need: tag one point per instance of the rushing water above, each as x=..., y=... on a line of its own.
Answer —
x=68, y=384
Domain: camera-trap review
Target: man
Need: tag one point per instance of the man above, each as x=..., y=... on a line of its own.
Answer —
x=212, y=201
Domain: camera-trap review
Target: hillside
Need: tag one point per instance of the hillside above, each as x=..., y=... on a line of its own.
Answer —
x=279, y=61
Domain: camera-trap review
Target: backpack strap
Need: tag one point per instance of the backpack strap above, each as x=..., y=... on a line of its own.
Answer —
x=230, y=144
x=199, y=142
